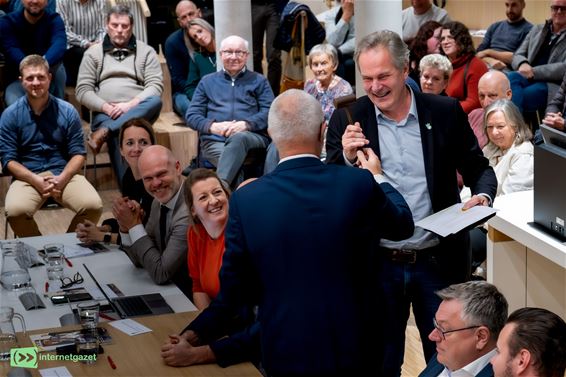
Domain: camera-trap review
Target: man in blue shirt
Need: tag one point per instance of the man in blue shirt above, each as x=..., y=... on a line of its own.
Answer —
x=33, y=30
x=42, y=146
x=504, y=37
x=229, y=110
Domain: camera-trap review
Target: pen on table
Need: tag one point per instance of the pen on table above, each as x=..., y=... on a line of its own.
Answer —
x=68, y=262
x=46, y=286
x=111, y=362
x=102, y=315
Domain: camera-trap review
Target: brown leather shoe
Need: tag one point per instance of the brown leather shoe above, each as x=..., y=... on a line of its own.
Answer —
x=97, y=138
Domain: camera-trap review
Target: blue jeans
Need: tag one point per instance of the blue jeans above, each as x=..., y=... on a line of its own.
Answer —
x=180, y=104
x=229, y=156
x=148, y=109
x=527, y=95
x=15, y=90
x=406, y=284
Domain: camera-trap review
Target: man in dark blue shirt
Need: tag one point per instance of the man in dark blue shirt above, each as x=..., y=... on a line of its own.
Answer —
x=42, y=146
x=33, y=30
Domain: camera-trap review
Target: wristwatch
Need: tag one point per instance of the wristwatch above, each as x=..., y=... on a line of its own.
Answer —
x=107, y=238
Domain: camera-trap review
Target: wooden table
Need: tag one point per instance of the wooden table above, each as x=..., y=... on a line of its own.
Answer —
x=138, y=355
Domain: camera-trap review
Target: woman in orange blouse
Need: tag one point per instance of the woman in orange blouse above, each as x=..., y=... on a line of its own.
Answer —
x=207, y=200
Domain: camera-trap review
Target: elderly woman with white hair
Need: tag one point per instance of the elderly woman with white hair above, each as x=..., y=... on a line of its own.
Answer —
x=435, y=71
x=326, y=85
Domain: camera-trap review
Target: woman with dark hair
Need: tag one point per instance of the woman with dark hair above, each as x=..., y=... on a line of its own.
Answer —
x=135, y=135
x=427, y=41
x=201, y=36
x=456, y=43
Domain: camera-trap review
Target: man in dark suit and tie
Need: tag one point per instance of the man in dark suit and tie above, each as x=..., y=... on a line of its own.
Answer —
x=161, y=246
x=299, y=243
x=466, y=326
x=421, y=141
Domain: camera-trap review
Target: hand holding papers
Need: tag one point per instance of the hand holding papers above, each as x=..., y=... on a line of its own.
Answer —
x=453, y=219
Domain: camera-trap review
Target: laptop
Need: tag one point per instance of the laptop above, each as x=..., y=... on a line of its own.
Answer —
x=549, y=209
x=135, y=306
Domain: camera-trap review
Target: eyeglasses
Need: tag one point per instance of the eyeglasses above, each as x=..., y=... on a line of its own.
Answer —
x=558, y=8
x=237, y=53
x=435, y=324
x=68, y=282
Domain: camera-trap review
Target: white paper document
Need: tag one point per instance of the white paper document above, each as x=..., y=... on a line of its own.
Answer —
x=130, y=327
x=451, y=220
x=55, y=372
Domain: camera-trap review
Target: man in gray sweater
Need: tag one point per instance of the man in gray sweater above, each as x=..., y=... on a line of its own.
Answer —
x=119, y=79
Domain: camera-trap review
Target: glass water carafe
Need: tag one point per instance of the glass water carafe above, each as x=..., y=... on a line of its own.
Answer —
x=15, y=261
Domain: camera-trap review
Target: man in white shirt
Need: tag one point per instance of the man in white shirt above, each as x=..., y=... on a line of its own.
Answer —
x=420, y=12
x=466, y=326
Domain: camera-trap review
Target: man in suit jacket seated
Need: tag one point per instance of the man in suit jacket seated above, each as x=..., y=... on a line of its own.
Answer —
x=532, y=344
x=161, y=246
x=298, y=244
x=466, y=326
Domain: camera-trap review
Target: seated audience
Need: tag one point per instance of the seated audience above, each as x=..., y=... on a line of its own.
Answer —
x=135, y=135
x=466, y=326
x=161, y=245
x=456, y=43
x=427, y=41
x=207, y=200
x=229, y=110
x=84, y=25
x=493, y=85
x=119, y=79
x=42, y=144
x=340, y=30
x=540, y=61
x=32, y=29
x=435, y=71
x=415, y=16
x=179, y=52
x=326, y=85
x=532, y=344
x=504, y=37
x=556, y=109
x=201, y=34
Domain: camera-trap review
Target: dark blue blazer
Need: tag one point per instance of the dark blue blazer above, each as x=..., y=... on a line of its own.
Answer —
x=434, y=368
x=299, y=243
x=449, y=145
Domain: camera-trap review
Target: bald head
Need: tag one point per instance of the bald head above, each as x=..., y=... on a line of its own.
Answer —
x=294, y=123
x=161, y=172
x=186, y=11
x=493, y=85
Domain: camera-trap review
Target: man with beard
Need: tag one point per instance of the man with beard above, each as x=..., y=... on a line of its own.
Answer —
x=33, y=30
x=504, y=37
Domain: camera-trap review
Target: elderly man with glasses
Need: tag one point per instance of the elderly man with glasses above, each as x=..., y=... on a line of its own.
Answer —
x=466, y=326
x=229, y=110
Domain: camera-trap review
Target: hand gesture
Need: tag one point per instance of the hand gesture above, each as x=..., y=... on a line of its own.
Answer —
x=476, y=200
x=235, y=127
x=526, y=70
x=554, y=120
x=367, y=159
x=353, y=139
x=88, y=232
x=127, y=212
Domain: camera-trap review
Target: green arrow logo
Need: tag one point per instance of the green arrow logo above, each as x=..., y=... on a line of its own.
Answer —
x=23, y=357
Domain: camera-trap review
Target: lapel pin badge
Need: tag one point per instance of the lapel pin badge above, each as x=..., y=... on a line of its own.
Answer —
x=428, y=126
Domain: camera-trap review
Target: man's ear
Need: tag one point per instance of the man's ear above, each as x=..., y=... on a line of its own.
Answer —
x=523, y=360
x=483, y=336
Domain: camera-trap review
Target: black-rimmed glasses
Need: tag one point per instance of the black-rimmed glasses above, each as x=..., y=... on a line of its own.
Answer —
x=69, y=282
x=439, y=329
x=557, y=8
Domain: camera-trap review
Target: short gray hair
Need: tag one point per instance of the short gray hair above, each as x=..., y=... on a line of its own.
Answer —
x=324, y=48
x=389, y=40
x=297, y=118
x=437, y=61
x=482, y=304
x=120, y=10
x=513, y=116
x=246, y=44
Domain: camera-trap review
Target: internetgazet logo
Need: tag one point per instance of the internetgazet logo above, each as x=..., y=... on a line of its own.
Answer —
x=29, y=356
x=23, y=357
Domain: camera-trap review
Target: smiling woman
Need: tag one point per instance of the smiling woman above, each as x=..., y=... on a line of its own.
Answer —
x=207, y=200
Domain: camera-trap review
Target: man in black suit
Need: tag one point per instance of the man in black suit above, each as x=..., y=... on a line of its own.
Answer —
x=299, y=244
x=421, y=141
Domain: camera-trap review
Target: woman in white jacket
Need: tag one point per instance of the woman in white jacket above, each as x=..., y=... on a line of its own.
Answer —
x=509, y=150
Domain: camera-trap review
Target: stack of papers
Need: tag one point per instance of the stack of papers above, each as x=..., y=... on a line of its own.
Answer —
x=453, y=219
